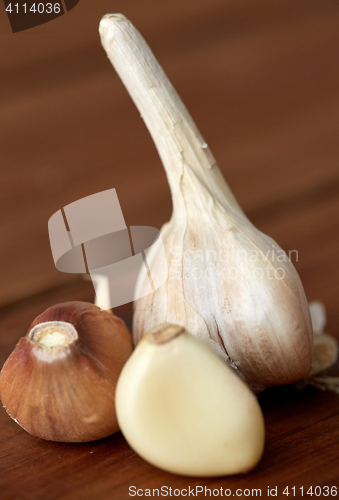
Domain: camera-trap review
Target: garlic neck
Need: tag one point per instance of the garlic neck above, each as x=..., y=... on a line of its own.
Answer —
x=187, y=159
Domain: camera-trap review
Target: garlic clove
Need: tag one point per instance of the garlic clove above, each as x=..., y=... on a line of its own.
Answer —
x=184, y=410
x=59, y=382
x=229, y=284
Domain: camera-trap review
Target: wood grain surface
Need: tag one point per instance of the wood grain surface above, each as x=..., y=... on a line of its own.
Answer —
x=261, y=80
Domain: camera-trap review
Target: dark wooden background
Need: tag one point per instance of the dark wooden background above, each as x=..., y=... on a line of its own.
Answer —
x=261, y=79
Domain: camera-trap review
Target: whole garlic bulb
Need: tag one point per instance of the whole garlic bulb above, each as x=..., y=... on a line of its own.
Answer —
x=228, y=284
x=59, y=382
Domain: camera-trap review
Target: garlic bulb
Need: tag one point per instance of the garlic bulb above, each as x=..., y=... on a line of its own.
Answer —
x=228, y=284
x=182, y=409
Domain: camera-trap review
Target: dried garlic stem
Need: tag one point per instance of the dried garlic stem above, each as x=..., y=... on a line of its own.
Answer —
x=176, y=137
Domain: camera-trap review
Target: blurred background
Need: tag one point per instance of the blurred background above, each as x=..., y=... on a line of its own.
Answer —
x=261, y=80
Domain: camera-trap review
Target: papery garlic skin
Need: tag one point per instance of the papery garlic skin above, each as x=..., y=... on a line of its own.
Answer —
x=184, y=410
x=260, y=326
x=253, y=315
x=59, y=382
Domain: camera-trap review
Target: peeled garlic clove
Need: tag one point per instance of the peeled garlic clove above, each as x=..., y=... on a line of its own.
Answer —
x=184, y=410
x=229, y=284
x=59, y=382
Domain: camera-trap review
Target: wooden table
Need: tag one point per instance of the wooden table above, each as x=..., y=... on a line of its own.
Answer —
x=261, y=80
